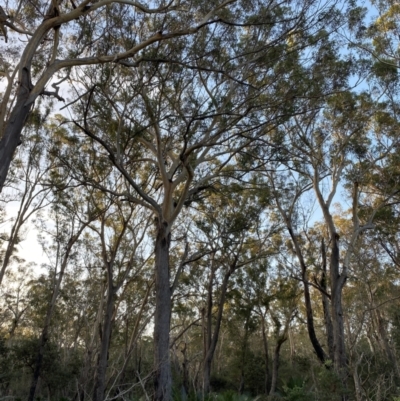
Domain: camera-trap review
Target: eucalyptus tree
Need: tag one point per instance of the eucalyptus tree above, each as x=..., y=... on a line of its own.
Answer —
x=338, y=145
x=59, y=36
x=117, y=243
x=230, y=224
x=377, y=38
x=27, y=186
x=282, y=314
x=15, y=304
x=121, y=231
x=172, y=121
x=247, y=311
x=71, y=218
x=372, y=300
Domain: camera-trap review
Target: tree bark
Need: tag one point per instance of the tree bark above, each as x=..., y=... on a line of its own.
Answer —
x=185, y=374
x=162, y=318
x=99, y=387
x=337, y=283
x=384, y=337
x=275, y=364
x=307, y=299
x=357, y=382
x=326, y=304
x=213, y=340
x=266, y=353
x=12, y=133
x=208, y=331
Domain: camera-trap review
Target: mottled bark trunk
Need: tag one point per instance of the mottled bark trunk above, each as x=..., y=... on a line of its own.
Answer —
x=162, y=317
x=100, y=379
x=244, y=354
x=11, y=137
x=338, y=280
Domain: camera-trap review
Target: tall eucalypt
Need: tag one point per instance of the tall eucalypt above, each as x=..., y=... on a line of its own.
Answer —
x=60, y=36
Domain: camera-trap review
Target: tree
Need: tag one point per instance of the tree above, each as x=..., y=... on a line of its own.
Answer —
x=27, y=185
x=120, y=238
x=68, y=229
x=234, y=242
x=171, y=145
x=62, y=36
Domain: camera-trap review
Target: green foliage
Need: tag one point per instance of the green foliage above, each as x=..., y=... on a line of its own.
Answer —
x=295, y=389
x=230, y=395
x=329, y=385
x=385, y=70
x=57, y=372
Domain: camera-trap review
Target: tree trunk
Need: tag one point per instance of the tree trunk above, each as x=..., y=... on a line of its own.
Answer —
x=134, y=335
x=266, y=353
x=185, y=374
x=99, y=386
x=162, y=318
x=337, y=283
x=45, y=332
x=12, y=134
x=357, y=382
x=244, y=353
x=307, y=299
x=384, y=337
x=326, y=304
x=49, y=314
x=275, y=364
x=207, y=332
x=211, y=346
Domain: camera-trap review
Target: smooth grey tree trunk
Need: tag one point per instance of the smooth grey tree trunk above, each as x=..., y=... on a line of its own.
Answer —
x=162, y=317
